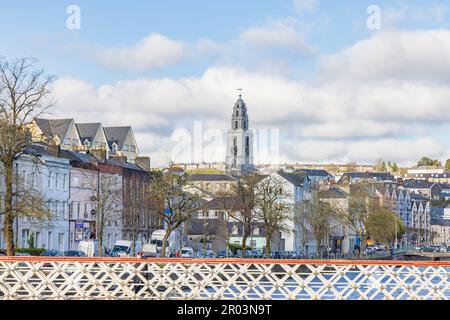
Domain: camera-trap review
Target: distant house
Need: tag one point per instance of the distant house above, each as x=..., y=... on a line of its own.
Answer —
x=342, y=239
x=316, y=175
x=92, y=136
x=298, y=189
x=212, y=184
x=428, y=189
x=121, y=142
x=117, y=141
x=440, y=231
x=61, y=132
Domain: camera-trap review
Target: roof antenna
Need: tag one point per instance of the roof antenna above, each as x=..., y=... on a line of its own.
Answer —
x=240, y=92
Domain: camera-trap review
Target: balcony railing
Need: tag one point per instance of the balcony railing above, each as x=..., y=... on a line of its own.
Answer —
x=111, y=278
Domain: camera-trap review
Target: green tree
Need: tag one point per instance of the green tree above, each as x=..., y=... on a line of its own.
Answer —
x=426, y=161
x=383, y=166
x=394, y=167
x=384, y=226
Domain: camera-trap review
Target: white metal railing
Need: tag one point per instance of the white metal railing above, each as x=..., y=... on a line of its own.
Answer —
x=113, y=278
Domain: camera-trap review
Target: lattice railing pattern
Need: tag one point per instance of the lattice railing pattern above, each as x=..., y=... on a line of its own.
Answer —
x=46, y=278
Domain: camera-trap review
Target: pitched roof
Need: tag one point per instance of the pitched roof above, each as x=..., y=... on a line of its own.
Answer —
x=52, y=127
x=314, y=172
x=334, y=193
x=380, y=176
x=297, y=179
x=418, y=184
x=79, y=157
x=87, y=130
x=224, y=203
x=210, y=177
x=117, y=135
x=125, y=165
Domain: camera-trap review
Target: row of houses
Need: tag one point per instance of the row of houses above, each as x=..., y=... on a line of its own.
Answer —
x=411, y=202
x=88, y=176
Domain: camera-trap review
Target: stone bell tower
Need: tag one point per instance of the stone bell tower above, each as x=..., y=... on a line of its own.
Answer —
x=239, y=153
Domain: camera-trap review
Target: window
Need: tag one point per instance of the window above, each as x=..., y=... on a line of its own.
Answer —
x=125, y=147
x=56, y=181
x=49, y=240
x=64, y=182
x=247, y=146
x=49, y=179
x=61, y=241
x=235, y=125
x=38, y=240
x=25, y=237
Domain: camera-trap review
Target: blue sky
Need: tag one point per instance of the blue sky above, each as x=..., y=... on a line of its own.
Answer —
x=163, y=53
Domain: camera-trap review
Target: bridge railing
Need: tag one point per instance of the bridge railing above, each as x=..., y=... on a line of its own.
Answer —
x=241, y=279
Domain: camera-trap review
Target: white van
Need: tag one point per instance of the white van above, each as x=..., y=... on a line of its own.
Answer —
x=157, y=239
x=89, y=247
x=124, y=248
x=187, y=252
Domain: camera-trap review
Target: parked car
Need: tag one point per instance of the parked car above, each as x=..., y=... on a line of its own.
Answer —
x=74, y=253
x=223, y=254
x=257, y=254
x=52, y=253
x=209, y=254
x=187, y=252
x=430, y=249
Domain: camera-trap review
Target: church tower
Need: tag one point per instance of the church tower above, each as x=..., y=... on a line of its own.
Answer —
x=239, y=153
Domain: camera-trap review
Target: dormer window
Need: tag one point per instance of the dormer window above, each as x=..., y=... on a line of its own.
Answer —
x=86, y=143
x=56, y=140
x=114, y=148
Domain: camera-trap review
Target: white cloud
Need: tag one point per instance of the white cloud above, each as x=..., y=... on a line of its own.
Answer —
x=377, y=99
x=154, y=51
x=408, y=55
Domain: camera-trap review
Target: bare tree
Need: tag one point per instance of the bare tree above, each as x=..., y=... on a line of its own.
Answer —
x=316, y=217
x=361, y=204
x=175, y=205
x=230, y=205
x=273, y=208
x=106, y=190
x=246, y=191
x=23, y=95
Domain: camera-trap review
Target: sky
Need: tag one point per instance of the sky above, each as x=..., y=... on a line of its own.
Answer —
x=334, y=79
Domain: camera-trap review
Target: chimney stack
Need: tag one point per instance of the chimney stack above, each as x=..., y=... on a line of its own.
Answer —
x=54, y=150
x=143, y=162
x=99, y=154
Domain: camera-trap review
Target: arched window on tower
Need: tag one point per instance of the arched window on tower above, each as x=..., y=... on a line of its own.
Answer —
x=235, y=125
x=237, y=113
x=247, y=146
